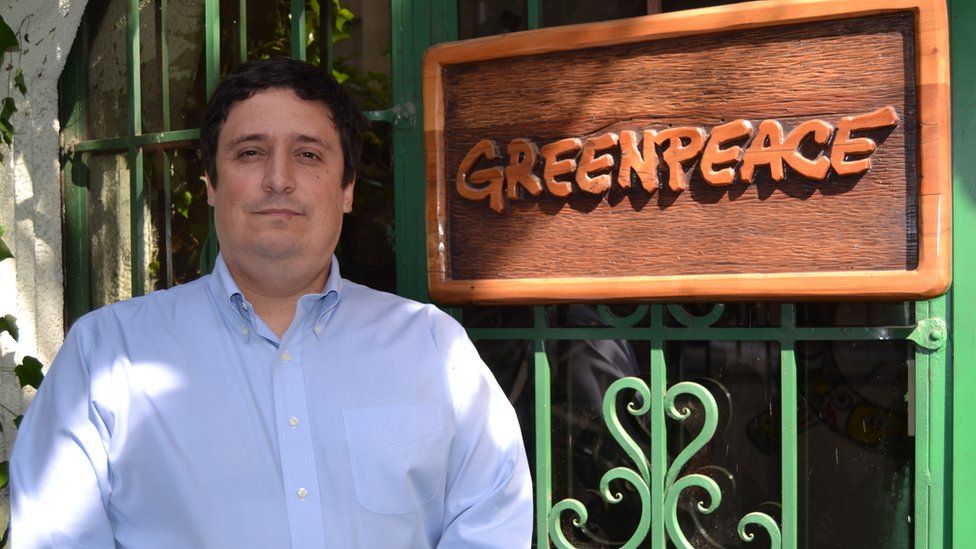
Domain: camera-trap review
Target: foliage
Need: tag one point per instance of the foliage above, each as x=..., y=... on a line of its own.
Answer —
x=15, y=81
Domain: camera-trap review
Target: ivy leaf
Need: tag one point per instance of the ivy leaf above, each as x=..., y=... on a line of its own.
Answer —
x=19, y=82
x=4, y=250
x=7, y=37
x=6, y=129
x=8, y=323
x=29, y=373
x=4, y=474
x=17, y=421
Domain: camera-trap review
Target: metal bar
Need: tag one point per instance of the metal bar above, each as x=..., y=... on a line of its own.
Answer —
x=535, y=19
x=142, y=140
x=411, y=35
x=208, y=255
x=136, y=181
x=164, y=59
x=659, y=444
x=77, y=267
x=445, y=21
x=242, y=30
x=543, y=447
x=298, y=36
x=930, y=434
x=696, y=334
x=327, y=51
x=788, y=410
x=962, y=36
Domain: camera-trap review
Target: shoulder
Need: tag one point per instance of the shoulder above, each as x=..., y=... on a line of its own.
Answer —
x=385, y=309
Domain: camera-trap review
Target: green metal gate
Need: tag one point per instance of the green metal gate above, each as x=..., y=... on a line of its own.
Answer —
x=650, y=425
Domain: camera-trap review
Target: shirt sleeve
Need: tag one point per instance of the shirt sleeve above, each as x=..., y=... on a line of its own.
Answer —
x=59, y=468
x=489, y=489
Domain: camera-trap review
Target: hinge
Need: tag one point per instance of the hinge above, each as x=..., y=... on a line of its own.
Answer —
x=931, y=333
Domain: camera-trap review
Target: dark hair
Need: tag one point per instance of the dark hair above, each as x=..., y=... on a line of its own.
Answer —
x=309, y=82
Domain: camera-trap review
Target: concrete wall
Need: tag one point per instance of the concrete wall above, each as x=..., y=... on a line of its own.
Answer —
x=31, y=284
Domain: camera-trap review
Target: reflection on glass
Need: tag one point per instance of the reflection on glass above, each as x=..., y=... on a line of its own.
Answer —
x=484, y=18
x=559, y=12
x=733, y=315
x=856, y=452
x=744, y=455
x=855, y=314
x=105, y=69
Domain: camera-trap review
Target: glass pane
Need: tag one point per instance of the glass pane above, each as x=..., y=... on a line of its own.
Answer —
x=731, y=315
x=362, y=58
x=855, y=314
x=105, y=70
x=744, y=455
x=856, y=445
x=109, y=226
x=677, y=5
x=583, y=449
x=497, y=317
x=486, y=18
x=560, y=12
x=593, y=316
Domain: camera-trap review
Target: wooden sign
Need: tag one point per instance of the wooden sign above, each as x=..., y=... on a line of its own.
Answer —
x=766, y=150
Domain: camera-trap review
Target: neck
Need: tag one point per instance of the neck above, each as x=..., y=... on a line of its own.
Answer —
x=274, y=290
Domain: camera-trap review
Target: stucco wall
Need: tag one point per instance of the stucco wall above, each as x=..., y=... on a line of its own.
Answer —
x=31, y=284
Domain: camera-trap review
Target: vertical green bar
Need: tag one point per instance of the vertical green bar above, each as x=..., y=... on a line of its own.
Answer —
x=535, y=19
x=789, y=447
x=242, y=30
x=208, y=255
x=962, y=24
x=136, y=181
x=543, y=448
x=659, y=443
x=411, y=35
x=444, y=21
x=930, y=434
x=298, y=37
x=77, y=273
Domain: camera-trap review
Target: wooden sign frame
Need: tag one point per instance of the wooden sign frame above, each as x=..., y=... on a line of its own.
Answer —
x=930, y=278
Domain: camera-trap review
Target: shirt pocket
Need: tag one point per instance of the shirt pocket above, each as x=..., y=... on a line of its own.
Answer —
x=398, y=456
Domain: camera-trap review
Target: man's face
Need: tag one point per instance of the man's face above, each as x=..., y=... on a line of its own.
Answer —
x=279, y=194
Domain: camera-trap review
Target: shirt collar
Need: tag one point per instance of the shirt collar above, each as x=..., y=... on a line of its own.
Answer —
x=235, y=308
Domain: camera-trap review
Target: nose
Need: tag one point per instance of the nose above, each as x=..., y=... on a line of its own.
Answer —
x=279, y=176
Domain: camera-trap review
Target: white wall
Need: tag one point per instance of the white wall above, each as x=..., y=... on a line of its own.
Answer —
x=31, y=284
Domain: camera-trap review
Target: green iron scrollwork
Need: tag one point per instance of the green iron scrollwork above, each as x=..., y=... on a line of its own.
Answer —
x=764, y=521
x=641, y=478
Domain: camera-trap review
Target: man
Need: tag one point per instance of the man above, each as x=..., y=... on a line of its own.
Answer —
x=272, y=403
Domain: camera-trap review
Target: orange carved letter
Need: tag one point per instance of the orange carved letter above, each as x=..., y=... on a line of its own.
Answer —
x=522, y=156
x=555, y=167
x=811, y=169
x=844, y=144
x=765, y=150
x=643, y=161
x=684, y=145
x=590, y=163
x=473, y=186
x=715, y=155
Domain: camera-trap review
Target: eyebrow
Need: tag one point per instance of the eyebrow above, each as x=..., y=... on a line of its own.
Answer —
x=299, y=137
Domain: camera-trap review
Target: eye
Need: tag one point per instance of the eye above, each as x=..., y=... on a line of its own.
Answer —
x=308, y=155
x=248, y=153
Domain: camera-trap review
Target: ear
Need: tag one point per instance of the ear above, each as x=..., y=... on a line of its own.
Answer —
x=210, y=189
x=347, y=194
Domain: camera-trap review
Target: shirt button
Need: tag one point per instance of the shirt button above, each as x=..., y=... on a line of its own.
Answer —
x=244, y=330
x=302, y=493
x=318, y=329
x=286, y=356
x=293, y=421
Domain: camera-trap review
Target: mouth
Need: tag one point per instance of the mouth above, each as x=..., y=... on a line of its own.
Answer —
x=281, y=213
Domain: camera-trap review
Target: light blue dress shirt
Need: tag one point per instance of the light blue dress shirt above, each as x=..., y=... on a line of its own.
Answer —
x=180, y=420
